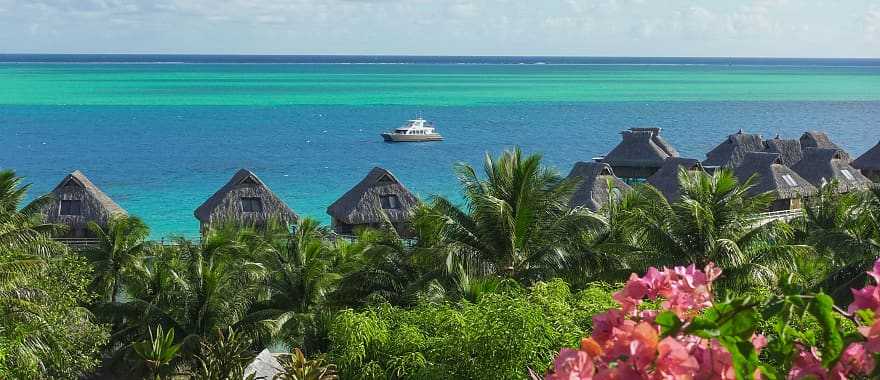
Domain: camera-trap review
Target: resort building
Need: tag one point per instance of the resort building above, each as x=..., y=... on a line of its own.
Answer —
x=869, y=163
x=730, y=153
x=639, y=155
x=814, y=139
x=790, y=150
x=822, y=166
x=666, y=179
x=596, y=185
x=75, y=202
x=772, y=176
x=378, y=198
x=244, y=200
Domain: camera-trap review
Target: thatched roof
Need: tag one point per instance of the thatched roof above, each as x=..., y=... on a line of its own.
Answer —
x=666, y=179
x=731, y=151
x=226, y=203
x=640, y=147
x=821, y=166
x=773, y=176
x=815, y=139
x=789, y=149
x=593, y=179
x=363, y=204
x=264, y=367
x=870, y=160
x=92, y=206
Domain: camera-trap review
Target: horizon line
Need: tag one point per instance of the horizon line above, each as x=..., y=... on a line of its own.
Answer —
x=429, y=55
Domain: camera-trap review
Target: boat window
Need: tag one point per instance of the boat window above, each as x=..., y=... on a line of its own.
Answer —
x=71, y=207
x=389, y=202
x=847, y=174
x=251, y=204
x=789, y=180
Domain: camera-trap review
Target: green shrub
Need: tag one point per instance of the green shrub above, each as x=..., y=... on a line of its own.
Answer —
x=497, y=337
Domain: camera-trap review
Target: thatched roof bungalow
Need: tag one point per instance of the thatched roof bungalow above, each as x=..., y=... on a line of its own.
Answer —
x=869, y=163
x=821, y=166
x=666, y=179
x=772, y=176
x=596, y=183
x=376, y=198
x=264, y=367
x=245, y=199
x=815, y=139
x=75, y=202
x=640, y=154
x=789, y=149
x=730, y=153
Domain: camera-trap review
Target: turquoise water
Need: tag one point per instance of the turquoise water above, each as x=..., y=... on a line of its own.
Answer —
x=160, y=138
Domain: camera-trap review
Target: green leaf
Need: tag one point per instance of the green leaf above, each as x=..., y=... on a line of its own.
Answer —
x=745, y=359
x=668, y=322
x=822, y=308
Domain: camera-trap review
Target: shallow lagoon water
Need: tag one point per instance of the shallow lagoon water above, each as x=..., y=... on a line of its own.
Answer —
x=161, y=138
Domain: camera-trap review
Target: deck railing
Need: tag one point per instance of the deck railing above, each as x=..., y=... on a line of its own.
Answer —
x=785, y=215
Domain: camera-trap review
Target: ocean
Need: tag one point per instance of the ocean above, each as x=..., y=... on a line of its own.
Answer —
x=161, y=133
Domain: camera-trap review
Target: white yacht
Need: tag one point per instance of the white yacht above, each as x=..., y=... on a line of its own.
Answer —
x=414, y=130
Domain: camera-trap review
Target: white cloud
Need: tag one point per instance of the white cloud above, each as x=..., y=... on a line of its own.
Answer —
x=574, y=27
x=872, y=24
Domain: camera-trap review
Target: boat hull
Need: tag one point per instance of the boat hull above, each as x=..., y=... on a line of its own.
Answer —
x=392, y=137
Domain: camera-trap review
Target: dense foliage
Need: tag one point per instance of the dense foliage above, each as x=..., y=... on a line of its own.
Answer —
x=494, y=337
x=487, y=288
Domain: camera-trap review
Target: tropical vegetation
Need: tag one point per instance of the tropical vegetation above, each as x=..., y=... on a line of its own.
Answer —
x=491, y=286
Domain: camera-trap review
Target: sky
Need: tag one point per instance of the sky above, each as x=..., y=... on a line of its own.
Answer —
x=710, y=28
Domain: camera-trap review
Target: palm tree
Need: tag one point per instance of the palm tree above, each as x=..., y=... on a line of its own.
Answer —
x=517, y=222
x=24, y=231
x=301, y=275
x=714, y=221
x=603, y=249
x=119, y=246
x=844, y=230
x=25, y=248
x=380, y=268
x=191, y=289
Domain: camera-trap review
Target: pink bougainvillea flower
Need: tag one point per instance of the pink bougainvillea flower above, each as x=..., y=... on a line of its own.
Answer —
x=807, y=365
x=854, y=361
x=604, y=323
x=572, y=365
x=865, y=298
x=674, y=361
x=872, y=336
x=643, y=346
x=626, y=342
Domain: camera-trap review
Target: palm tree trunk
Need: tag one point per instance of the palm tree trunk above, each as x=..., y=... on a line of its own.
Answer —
x=115, y=294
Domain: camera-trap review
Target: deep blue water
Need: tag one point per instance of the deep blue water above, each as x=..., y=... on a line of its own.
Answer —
x=161, y=162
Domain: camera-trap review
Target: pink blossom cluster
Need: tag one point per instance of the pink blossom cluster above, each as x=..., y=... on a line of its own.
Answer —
x=626, y=343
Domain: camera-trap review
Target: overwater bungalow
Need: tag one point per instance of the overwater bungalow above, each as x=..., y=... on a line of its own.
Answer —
x=772, y=176
x=245, y=200
x=666, y=179
x=640, y=154
x=730, y=153
x=815, y=139
x=75, y=202
x=596, y=185
x=264, y=367
x=789, y=149
x=821, y=166
x=375, y=199
x=869, y=163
